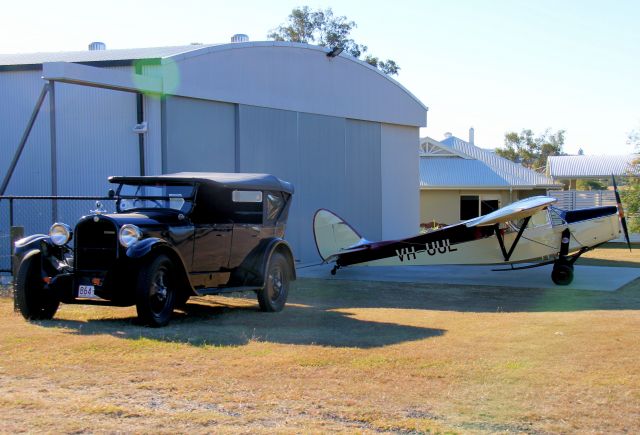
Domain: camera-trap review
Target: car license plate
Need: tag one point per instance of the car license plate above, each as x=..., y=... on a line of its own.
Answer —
x=86, y=291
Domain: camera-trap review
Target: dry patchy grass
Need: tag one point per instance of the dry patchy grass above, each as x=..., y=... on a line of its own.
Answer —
x=613, y=254
x=343, y=356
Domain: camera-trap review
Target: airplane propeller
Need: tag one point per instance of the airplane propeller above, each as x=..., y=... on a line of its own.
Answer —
x=623, y=220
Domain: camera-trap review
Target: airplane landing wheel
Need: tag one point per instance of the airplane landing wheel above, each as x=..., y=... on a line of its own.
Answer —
x=562, y=274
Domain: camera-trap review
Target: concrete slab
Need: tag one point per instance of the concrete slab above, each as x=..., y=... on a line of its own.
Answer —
x=595, y=278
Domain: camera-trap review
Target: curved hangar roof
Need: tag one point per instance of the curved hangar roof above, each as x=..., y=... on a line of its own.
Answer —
x=591, y=166
x=222, y=179
x=281, y=75
x=292, y=76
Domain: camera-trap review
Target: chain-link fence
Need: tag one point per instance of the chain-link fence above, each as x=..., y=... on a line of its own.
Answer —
x=35, y=214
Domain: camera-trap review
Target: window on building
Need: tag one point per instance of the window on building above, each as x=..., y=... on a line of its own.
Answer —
x=469, y=208
x=489, y=205
x=472, y=206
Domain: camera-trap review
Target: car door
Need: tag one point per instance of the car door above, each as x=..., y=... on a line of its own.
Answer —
x=211, y=248
x=247, y=224
x=212, y=235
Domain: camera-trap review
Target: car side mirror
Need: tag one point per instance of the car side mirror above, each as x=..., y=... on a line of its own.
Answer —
x=111, y=193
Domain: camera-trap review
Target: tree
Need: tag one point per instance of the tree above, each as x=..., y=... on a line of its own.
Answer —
x=631, y=194
x=531, y=151
x=590, y=185
x=323, y=28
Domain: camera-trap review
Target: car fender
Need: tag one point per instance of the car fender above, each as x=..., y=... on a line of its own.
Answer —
x=49, y=266
x=155, y=246
x=142, y=247
x=30, y=243
x=28, y=254
x=52, y=255
x=253, y=270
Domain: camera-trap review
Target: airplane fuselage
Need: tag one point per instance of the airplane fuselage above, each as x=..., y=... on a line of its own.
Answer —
x=458, y=244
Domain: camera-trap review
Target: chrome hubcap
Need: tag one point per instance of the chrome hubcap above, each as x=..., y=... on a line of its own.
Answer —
x=161, y=288
x=159, y=292
x=275, y=278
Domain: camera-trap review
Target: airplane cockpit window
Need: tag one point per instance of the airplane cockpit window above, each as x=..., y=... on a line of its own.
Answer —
x=557, y=217
x=539, y=219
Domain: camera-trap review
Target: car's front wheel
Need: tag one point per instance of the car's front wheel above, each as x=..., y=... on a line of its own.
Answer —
x=31, y=298
x=273, y=296
x=156, y=291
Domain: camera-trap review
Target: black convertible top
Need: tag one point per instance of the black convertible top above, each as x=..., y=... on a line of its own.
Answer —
x=228, y=180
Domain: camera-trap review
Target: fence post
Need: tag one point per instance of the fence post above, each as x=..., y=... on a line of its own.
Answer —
x=16, y=233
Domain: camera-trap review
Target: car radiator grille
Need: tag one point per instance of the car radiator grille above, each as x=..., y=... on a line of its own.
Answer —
x=96, y=245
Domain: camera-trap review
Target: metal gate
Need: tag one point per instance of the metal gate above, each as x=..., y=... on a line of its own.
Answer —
x=576, y=199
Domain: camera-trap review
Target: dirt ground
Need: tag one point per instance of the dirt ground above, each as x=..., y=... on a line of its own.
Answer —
x=342, y=356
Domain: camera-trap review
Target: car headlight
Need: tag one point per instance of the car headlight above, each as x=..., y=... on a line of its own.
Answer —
x=129, y=234
x=60, y=234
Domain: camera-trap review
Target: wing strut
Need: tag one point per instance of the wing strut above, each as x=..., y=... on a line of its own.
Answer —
x=506, y=254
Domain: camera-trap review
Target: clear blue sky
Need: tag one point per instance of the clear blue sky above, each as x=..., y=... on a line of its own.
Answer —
x=496, y=65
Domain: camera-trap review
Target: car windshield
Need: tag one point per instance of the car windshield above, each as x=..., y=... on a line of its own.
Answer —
x=177, y=197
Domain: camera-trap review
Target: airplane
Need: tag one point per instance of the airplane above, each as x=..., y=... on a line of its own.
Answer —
x=530, y=231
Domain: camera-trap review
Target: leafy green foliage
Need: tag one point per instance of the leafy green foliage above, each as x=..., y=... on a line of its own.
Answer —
x=631, y=200
x=388, y=67
x=631, y=195
x=323, y=28
x=531, y=151
x=591, y=185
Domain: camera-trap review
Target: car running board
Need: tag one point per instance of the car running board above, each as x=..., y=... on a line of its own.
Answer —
x=221, y=290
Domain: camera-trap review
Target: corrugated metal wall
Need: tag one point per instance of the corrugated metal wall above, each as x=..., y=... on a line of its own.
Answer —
x=400, y=181
x=153, y=138
x=364, y=187
x=334, y=163
x=94, y=140
x=268, y=143
x=18, y=94
x=198, y=135
x=321, y=140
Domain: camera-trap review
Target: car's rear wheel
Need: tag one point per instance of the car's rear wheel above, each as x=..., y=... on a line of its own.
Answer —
x=273, y=296
x=31, y=298
x=156, y=291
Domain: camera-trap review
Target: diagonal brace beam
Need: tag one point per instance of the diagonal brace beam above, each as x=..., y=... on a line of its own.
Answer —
x=23, y=140
x=505, y=254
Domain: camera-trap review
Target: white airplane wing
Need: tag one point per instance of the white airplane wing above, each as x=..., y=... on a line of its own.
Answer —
x=512, y=212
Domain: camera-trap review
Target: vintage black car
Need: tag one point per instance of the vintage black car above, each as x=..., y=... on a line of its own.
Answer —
x=172, y=236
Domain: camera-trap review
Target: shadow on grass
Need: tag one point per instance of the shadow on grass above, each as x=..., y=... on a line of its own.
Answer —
x=204, y=323
x=611, y=253
x=606, y=263
x=461, y=298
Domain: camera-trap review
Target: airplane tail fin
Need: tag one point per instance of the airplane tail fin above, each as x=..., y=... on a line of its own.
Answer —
x=332, y=234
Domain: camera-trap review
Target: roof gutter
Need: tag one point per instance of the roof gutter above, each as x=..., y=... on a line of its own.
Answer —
x=476, y=187
x=100, y=78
